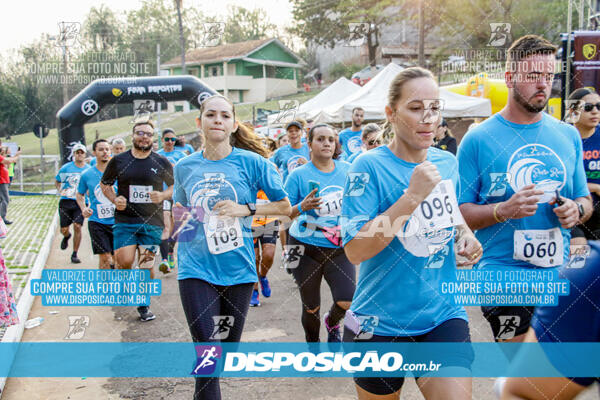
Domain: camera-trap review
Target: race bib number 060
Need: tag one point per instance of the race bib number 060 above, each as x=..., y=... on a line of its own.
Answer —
x=139, y=194
x=223, y=234
x=440, y=209
x=543, y=248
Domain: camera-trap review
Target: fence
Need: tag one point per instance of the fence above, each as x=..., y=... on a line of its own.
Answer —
x=35, y=175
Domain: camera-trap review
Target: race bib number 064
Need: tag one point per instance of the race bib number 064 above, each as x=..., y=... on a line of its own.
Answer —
x=139, y=194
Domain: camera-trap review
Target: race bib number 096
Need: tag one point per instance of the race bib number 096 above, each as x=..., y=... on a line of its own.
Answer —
x=223, y=234
x=543, y=248
x=440, y=209
x=139, y=194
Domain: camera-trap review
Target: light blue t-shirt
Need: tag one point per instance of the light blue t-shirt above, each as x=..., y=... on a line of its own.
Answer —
x=350, y=141
x=286, y=158
x=401, y=284
x=188, y=147
x=93, y=162
x=173, y=156
x=68, y=175
x=103, y=209
x=499, y=157
x=354, y=156
x=199, y=185
x=331, y=188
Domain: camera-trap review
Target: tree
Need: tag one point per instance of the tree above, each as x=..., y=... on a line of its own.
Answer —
x=181, y=37
x=243, y=24
x=329, y=23
x=102, y=28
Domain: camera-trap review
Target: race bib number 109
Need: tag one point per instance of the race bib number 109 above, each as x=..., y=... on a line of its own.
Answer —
x=223, y=234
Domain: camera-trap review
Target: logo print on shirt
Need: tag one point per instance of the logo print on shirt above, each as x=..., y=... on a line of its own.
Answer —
x=100, y=196
x=354, y=144
x=293, y=163
x=499, y=183
x=211, y=190
x=538, y=165
x=357, y=181
x=155, y=170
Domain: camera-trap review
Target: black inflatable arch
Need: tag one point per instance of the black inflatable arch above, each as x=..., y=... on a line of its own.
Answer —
x=102, y=92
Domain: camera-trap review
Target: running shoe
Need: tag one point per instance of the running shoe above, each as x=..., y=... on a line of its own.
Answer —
x=333, y=332
x=264, y=286
x=75, y=259
x=164, y=267
x=7, y=222
x=171, y=261
x=64, y=243
x=254, y=300
x=145, y=314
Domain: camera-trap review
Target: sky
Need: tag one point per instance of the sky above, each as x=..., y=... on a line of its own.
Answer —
x=27, y=20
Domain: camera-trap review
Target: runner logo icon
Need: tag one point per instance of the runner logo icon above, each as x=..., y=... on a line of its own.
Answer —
x=206, y=361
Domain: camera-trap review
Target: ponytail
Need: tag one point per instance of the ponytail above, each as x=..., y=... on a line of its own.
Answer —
x=244, y=138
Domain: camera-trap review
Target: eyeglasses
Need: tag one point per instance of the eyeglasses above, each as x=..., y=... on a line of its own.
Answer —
x=144, y=133
x=587, y=107
x=170, y=139
x=373, y=142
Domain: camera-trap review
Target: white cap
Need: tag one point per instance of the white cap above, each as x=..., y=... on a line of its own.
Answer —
x=78, y=146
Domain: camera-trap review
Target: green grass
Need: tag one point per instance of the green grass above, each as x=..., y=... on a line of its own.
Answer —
x=180, y=122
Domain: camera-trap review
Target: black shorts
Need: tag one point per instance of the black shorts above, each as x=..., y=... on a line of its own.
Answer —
x=266, y=234
x=69, y=213
x=454, y=330
x=101, y=236
x=508, y=321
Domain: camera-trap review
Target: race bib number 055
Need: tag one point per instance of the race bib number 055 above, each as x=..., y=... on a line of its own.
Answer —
x=543, y=248
x=139, y=194
x=223, y=234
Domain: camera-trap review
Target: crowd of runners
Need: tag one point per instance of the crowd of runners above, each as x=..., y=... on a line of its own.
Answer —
x=339, y=203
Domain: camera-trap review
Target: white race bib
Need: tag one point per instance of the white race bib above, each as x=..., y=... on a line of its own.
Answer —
x=543, y=248
x=139, y=194
x=105, y=210
x=331, y=204
x=440, y=209
x=223, y=234
x=262, y=202
x=166, y=205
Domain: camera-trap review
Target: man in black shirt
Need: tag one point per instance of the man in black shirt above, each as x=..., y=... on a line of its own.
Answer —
x=139, y=174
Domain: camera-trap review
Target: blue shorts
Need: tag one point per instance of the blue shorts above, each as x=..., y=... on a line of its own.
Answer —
x=136, y=234
x=577, y=316
x=454, y=330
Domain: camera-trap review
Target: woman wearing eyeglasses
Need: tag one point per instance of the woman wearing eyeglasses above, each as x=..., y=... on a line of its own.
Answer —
x=444, y=139
x=587, y=125
x=371, y=138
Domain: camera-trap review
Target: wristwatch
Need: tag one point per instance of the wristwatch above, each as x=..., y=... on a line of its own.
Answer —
x=581, y=210
x=252, y=208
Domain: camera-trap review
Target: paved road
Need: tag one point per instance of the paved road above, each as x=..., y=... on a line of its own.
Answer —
x=277, y=320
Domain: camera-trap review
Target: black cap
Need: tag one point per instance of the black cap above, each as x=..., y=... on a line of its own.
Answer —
x=167, y=130
x=294, y=123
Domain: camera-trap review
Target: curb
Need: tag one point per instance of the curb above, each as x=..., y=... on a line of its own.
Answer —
x=14, y=333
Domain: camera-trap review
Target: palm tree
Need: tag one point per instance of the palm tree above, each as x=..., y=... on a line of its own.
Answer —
x=178, y=4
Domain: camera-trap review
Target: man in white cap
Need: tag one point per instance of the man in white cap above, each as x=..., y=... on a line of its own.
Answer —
x=67, y=180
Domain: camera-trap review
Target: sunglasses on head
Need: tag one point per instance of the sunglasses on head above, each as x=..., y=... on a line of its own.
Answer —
x=374, y=141
x=170, y=139
x=590, y=106
x=143, y=133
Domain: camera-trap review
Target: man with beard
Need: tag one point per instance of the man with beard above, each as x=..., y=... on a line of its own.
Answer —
x=523, y=185
x=350, y=137
x=100, y=212
x=140, y=175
